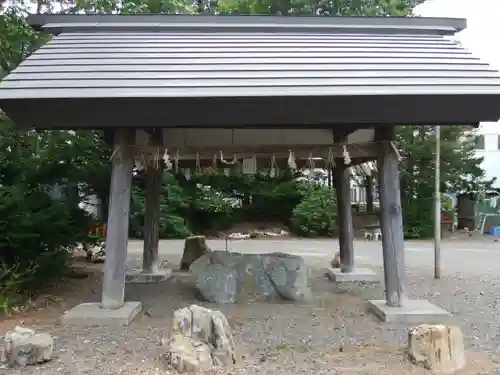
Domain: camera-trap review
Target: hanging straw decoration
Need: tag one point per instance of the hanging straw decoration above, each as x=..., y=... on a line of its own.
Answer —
x=292, y=164
x=273, y=167
x=166, y=160
x=345, y=154
x=138, y=164
x=232, y=162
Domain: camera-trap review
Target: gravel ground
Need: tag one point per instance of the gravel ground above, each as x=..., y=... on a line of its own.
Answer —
x=333, y=334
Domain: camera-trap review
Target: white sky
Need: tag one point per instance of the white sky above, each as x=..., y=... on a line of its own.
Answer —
x=482, y=36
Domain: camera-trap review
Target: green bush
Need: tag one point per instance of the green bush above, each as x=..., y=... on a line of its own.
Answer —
x=210, y=210
x=173, y=207
x=36, y=234
x=315, y=215
x=275, y=198
x=173, y=226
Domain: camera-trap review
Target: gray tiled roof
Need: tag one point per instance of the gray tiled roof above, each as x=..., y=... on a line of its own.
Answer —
x=103, y=60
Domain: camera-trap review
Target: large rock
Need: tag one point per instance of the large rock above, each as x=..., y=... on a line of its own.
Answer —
x=438, y=348
x=194, y=248
x=217, y=283
x=201, y=340
x=288, y=273
x=22, y=346
x=226, y=277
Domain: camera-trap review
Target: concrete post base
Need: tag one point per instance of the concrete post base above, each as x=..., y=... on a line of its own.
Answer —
x=412, y=312
x=91, y=314
x=140, y=277
x=360, y=275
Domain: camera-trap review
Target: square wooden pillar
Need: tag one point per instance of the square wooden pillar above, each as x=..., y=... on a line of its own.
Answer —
x=152, y=218
x=347, y=272
x=113, y=310
x=344, y=215
x=391, y=222
x=396, y=307
x=113, y=288
x=150, y=272
x=369, y=193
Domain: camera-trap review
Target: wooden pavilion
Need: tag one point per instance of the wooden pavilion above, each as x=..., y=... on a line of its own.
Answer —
x=249, y=85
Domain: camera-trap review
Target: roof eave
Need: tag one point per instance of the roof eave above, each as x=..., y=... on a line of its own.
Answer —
x=417, y=25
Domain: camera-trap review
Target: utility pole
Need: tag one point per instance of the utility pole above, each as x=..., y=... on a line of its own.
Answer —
x=437, y=206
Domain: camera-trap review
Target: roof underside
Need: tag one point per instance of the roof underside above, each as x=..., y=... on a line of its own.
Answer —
x=103, y=74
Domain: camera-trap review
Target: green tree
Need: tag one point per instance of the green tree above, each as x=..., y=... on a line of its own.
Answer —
x=320, y=7
x=460, y=171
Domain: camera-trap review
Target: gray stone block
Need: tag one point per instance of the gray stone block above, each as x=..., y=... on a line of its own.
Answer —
x=362, y=275
x=140, y=277
x=412, y=312
x=91, y=314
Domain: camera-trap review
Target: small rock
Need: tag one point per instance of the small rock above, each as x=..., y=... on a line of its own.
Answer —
x=194, y=248
x=438, y=348
x=188, y=355
x=202, y=339
x=22, y=347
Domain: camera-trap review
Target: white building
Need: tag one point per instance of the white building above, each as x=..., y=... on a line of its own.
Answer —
x=488, y=147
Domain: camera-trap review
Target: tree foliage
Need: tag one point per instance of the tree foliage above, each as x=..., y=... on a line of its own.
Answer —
x=460, y=171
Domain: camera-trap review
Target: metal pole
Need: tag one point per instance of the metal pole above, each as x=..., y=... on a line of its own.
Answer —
x=437, y=207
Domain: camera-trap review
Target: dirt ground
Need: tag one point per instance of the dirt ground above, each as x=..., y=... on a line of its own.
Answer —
x=332, y=334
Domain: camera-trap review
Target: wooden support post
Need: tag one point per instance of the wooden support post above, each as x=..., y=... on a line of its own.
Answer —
x=154, y=173
x=118, y=220
x=342, y=178
x=391, y=219
x=369, y=193
x=344, y=216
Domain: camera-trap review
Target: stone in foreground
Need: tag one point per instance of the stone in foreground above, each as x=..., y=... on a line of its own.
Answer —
x=22, y=347
x=227, y=277
x=201, y=340
x=413, y=312
x=360, y=275
x=140, y=277
x=438, y=348
x=91, y=314
x=194, y=248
